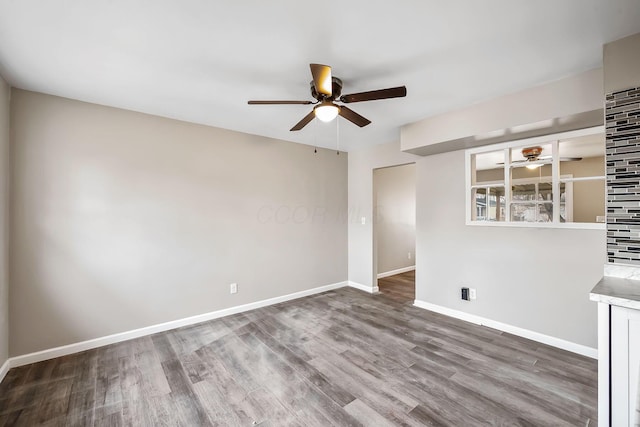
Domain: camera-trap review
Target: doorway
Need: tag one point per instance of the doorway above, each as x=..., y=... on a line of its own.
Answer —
x=394, y=231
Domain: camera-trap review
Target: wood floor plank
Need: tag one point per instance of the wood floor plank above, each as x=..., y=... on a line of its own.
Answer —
x=108, y=389
x=365, y=386
x=110, y=415
x=366, y=415
x=329, y=400
x=260, y=339
x=278, y=415
x=343, y=357
x=188, y=405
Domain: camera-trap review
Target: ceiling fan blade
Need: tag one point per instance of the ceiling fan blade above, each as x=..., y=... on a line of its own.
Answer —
x=280, y=102
x=562, y=159
x=513, y=162
x=570, y=159
x=544, y=159
x=394, y=92
x=305, y=121
x=353, y=117
x=322, y=78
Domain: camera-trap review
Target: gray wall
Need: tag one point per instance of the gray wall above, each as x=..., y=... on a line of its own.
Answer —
x=622, y=64
x=395, y=217
x=533, y=278
x=5, y=92
x=122, y=220
x=362, y=256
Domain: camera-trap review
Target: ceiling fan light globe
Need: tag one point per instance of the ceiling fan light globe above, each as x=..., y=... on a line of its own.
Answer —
x=326, y=112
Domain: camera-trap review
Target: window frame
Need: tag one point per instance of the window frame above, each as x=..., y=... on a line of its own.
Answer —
x=556, y=179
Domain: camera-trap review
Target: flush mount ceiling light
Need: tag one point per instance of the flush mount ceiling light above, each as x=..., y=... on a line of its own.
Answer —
x=326, y=111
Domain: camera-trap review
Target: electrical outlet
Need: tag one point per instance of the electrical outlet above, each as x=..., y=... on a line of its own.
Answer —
x=233, y=288
x=464, y=294
x=409, y=255
x=472, y=293
x=363, y=220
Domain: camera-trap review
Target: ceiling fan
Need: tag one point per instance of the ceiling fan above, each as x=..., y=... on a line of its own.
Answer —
x=327, y=90
x=532, y=155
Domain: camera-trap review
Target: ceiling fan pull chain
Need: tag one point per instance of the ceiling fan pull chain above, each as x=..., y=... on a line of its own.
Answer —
x=338, y=137
x=315, y=137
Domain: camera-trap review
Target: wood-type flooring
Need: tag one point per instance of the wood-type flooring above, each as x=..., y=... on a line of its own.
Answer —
x=340, y=358
x=400, y=288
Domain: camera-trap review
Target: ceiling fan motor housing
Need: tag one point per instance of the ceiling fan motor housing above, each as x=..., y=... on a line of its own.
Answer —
x=336, y=90
x=532, y=153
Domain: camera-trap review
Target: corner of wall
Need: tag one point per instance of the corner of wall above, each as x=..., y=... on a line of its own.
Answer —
x=5, y=97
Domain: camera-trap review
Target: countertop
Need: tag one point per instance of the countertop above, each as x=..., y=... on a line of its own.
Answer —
x=617, y=291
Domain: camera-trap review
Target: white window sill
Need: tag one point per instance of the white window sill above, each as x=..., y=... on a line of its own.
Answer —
x=565, y=225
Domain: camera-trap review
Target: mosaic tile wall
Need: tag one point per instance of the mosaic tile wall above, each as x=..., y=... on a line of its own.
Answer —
x=623, y=176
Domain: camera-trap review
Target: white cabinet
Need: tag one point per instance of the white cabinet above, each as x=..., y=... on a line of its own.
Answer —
x=618, y=301
x=625, y=366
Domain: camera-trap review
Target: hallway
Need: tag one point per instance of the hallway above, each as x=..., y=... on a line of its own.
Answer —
x=400, y=288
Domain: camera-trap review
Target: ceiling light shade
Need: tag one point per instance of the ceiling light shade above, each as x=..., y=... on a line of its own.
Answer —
x=326, y=111
x=534, y=166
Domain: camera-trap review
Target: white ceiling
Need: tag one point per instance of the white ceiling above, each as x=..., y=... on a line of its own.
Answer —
x=202, y=60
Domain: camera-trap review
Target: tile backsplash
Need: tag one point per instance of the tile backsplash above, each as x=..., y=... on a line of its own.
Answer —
x=622, y=112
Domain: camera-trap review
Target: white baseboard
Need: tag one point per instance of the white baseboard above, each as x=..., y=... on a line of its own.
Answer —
x=369, y=289
x=4, y=369
x=398, y=271
x=521, y=332
x=51, y=353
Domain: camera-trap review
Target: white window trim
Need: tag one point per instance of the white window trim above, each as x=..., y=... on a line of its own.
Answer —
x=568, y=180
x=556, y=179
